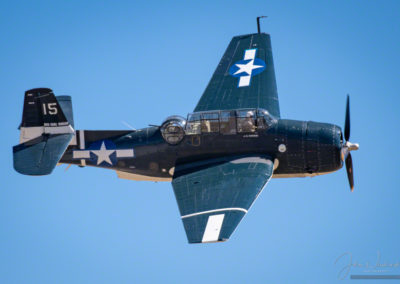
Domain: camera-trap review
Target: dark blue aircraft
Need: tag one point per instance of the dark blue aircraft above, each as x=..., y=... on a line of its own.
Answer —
x=219, y=158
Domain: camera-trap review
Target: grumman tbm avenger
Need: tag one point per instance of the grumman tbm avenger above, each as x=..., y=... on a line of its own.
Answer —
x=219, y=158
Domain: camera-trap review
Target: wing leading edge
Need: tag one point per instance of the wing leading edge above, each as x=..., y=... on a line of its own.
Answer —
x=244, y=78
x=213, y=196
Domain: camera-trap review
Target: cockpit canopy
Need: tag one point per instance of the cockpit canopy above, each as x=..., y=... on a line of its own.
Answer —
x=225, y=122
x=173, y=129
x=228, y=121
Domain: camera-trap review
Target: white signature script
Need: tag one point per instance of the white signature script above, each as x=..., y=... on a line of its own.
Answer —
x=377, y=266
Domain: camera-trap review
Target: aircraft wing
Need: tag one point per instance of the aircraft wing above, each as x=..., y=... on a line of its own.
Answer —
x=214, y=195
x=244, y=78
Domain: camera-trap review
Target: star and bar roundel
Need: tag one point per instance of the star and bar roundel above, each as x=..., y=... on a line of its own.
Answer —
x=248, y=67
x=103, y=153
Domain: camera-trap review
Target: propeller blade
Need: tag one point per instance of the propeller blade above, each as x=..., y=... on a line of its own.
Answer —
x=349, y=169
x=347, y=121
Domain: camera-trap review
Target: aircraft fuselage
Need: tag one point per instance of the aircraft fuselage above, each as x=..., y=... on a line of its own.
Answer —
x=299, y=148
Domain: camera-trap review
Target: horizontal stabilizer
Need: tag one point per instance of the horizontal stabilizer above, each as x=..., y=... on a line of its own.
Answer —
x=40, y=155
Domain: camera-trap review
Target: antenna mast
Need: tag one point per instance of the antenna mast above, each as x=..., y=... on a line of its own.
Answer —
x=258, y=23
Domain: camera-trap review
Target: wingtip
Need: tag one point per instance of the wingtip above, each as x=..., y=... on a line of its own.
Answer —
x=208, y=242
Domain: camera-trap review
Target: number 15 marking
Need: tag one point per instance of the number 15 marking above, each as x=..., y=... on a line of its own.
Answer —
x=50, y=108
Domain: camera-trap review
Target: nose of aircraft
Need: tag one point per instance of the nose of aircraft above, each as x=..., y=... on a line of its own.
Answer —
x=324, y=146
x=335, y=146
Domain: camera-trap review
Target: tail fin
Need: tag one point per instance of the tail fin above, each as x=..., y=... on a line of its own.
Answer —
x=43, y=114
x=45, y=132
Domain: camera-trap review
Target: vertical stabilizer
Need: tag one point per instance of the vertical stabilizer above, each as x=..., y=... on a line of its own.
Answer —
x=45, y=132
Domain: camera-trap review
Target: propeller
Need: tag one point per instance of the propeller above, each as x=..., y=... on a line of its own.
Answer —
x=348, y=146
x=347, y=120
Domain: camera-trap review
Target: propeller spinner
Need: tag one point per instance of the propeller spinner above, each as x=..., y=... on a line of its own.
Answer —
x=348, y=146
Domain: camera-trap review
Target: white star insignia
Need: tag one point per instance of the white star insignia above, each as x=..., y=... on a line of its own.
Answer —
x=248, y=67
x=103, y=154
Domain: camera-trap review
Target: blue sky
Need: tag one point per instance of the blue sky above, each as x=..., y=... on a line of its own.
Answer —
x=140, y=62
